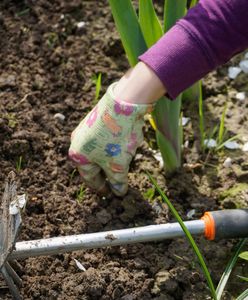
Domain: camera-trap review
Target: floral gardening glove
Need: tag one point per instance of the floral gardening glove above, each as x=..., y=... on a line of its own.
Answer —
x=106, y=140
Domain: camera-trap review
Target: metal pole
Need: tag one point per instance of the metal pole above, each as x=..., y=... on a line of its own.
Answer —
x=103, y=239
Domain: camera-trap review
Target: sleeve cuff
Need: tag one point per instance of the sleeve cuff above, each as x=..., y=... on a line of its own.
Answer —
x=178, y=60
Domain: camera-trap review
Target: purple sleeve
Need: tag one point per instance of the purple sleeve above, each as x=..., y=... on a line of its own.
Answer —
x=208, y=36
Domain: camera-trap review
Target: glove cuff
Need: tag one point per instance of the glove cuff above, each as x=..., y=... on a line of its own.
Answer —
x=125, y=108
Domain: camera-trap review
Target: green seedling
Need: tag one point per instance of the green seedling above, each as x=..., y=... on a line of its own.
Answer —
x=226, y=274
x=97, y=79
x=23, y=12
x=12, y=121
x=72, y=175
x=149, y=194
x=80, y=194
x=52, y=39
x=19, y=164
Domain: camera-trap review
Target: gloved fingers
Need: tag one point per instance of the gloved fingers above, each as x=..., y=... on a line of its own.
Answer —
x=117, y=178
x=90, y=172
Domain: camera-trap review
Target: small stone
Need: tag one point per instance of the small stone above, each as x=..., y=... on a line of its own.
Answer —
x=233, y=72
x=245, y=147
x=158, y=157
x=185, y=121
x=191, y=213
x=59, y=117
x=244, y=66
x=7, y=81
x=227, y=163
x=240, y=96
x=80, y=25
x=232, y=145
x=210, y=143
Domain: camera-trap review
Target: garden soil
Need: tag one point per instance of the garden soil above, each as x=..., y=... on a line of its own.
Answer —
x=47, y=68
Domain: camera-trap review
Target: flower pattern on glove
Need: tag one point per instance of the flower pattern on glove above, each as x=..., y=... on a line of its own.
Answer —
x=122, y=109
x=92, y=117
x=78, y=158
x=113, y=149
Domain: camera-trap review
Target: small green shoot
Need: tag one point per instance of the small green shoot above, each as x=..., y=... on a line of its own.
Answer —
x=11, y=117
x=19, y=164
x=243, y=278
x=244, y=255
x=97, y=79
x=52, y=39
x=201, y=119
x=222, y=130
x=189, y=237
x=72, y=175
x=149, y=194
x=243, y=296
x=229, y=268
x=23, y=12
x=80, y=194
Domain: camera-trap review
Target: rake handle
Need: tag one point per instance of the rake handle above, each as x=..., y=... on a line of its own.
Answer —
x=230, y=223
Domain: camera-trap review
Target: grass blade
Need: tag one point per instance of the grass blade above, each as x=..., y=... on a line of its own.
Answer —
x=129, y=29
x=243, y=278
x=173, y=10
x=222, y=126
x=243, y=296
x=189, y=237
x=229, y=268
x=149, y=22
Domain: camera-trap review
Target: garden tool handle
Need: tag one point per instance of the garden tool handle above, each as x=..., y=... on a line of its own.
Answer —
x=230, y=223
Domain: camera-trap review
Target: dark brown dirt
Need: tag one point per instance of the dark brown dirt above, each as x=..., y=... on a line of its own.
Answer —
x=47, y=65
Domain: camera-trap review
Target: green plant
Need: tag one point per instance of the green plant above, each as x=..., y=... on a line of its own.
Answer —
x=149, y=194
x=218, y=133
x=137, y=34
x=97, y=79
x=80, y=194
x=19, y=164
x=12, y=121
x=52, y=39
x=189, y=237
x=215, y=293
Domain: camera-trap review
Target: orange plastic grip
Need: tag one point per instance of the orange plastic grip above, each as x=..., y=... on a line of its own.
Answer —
x=209, y=226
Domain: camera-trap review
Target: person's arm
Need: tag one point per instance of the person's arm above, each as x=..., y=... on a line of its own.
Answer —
x=107, y=139
x=208, y=36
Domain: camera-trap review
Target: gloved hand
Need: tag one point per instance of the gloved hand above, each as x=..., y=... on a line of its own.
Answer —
x=106, y=140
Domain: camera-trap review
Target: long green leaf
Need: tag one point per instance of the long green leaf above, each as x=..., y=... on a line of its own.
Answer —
x=168, y=153
x=129, y=29
x=243, y=296
x=243, y=278
x=173, y=10
x=189, y=237
x=149, y=22
x=226, y=274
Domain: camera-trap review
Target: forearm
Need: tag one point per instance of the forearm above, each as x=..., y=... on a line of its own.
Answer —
x=140, y=85
x=210, y=34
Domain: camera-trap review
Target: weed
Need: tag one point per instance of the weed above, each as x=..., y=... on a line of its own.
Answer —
x=23, y=12
x=19, y=164
x=12, y=121
x=52, y=39
x=97, y=79
x=149, y=194
x=72, y=175
x=80, y=194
